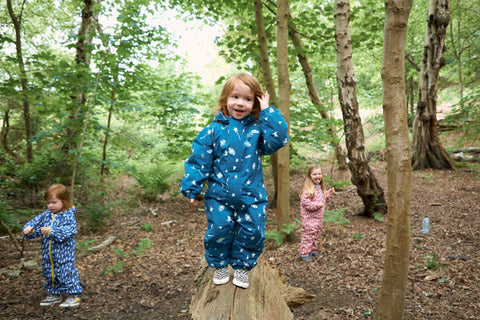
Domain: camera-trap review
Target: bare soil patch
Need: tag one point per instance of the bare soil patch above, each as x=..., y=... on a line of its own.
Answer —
x=129, y=280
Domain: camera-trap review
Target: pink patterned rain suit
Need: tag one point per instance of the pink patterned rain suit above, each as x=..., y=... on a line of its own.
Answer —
x=311, y=213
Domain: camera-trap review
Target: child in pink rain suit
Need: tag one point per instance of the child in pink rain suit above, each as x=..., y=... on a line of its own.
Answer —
x=313, y=199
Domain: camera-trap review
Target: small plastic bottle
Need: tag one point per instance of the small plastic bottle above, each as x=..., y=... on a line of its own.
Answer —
x=426, y=225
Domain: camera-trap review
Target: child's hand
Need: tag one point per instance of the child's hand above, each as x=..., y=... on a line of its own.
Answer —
x=27, y=230
x=193, y=202
x=264, y=100
x=331, y=191
x=45, y=230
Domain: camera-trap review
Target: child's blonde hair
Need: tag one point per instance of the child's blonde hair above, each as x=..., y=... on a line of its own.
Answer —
x=309, y=186
x=61, y=193
x=251, y=82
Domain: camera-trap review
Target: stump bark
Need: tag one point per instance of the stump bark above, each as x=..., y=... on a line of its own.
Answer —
x=267, y=298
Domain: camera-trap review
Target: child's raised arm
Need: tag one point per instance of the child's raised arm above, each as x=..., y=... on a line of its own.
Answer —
x=264, y=100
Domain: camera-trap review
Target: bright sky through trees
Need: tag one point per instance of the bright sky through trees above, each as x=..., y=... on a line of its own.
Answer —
x=196, y=43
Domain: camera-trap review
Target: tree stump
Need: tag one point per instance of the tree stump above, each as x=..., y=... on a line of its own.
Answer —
x=267, y=297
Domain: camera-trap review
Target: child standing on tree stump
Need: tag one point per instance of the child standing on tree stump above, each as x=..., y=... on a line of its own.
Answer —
x=227, y=154
x=57, y=227
x=313, y=199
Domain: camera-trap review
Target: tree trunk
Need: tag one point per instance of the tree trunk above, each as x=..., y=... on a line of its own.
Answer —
x=17, y=24
x=362, y=176
x=269, y=84
x=267, y=297
x=114, y=71
x=428, y=151
x=307, y=71
x=283, y=199
x=82, y=59
x=4, y=137
x=391, y=300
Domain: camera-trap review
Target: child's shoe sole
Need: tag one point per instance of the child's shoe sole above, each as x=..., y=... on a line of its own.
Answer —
x=50, y=300
x=70, y=302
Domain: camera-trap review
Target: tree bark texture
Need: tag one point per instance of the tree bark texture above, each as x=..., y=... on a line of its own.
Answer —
x=428, y=151
x=269, y=84
x=114, y=70
x=362, y=176
x=267, y=297
x=307, y=71
x=391, y=300
x=4, y=137
x=283, y=166
x=79, y=99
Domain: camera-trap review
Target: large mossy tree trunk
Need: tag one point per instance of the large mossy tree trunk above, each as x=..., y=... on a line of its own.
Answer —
x=428, y=151
x=362, y=176
x=267, y=298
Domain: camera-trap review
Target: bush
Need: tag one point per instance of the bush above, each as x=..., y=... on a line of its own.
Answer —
x=153, y=178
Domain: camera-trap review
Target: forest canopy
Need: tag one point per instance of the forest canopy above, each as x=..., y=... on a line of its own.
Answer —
x=91, y=91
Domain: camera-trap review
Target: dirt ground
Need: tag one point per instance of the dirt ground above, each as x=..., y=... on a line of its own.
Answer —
x=150, y=274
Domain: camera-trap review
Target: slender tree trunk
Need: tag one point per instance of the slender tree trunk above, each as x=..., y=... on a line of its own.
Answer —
x=4, y=136
x=307, y=71
x=457, y=52
x=283, y=201
x=103, y=168
x=17, y=24
x=82, y=59
x=362, y=176
x=114, y=72
x=428, y=151
x=391, y=300
x=269, y=84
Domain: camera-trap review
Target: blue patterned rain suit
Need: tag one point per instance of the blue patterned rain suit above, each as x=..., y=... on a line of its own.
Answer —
x=58, y=251
x=227, y=154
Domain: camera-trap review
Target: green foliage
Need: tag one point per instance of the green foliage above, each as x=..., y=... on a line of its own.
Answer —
x=153, y=178
x=378, y=216
x=146, y=227
x=143, y=246
x=335, y=216
x=466, y=115
x=121, y=253
x=338, y=185
x=96, y=215
x=427, y=177
x=4, y=216
x=432, y=262
x=278, y=236
x=117, y=267
x=79, y=245
x=357, y=236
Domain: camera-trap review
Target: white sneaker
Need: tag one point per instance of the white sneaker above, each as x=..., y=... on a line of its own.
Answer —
x=71, y=301
x=240, y=278
x=221, y=275
x=50, y=299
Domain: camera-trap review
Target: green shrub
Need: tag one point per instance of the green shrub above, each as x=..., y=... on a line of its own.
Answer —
x=278, y=236
x=96, y=215
x=336, y=216
x=153, y=178
x=146, y=227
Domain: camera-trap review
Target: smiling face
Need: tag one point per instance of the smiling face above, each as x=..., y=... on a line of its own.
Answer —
x=316, y=175
x=55, y=205
x=240, y=101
